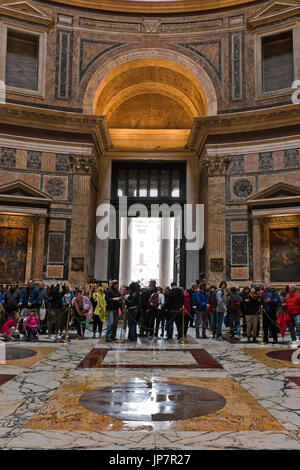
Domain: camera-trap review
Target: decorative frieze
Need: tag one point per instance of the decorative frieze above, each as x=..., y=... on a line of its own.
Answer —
x=236, y=66
x=291, y=158
x=265, y=161
x=34, y=160
x=8, y=157
x=151, y=27
x=103, y=25
x=239, y=249
x=191, y=27
x=216, y=166
x=55, y=187
x=64, y=64
x=242, y=188
x=237, y=164
x=62, y=162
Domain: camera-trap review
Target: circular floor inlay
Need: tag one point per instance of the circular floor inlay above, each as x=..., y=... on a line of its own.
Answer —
x=147, y=401
x=282, y=355
x=18, y=353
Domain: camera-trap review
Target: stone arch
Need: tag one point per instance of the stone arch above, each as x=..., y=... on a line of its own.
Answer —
x=108, y=66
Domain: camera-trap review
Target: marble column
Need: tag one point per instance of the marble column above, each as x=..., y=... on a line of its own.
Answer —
x=216, y=221
x=257, y=250
x=40, y=248
x=125, y=254
x=165, y=250
x=192, y=197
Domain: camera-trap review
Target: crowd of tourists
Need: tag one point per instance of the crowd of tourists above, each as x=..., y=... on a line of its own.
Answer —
x=149, y=312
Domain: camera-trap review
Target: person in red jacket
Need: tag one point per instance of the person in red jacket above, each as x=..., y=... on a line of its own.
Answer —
x=292, y=304
x=9, y=329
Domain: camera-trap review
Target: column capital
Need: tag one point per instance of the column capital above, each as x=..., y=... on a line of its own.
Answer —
x=256, y=220
x=216, y=165
x=41, y=218
x=84, y=164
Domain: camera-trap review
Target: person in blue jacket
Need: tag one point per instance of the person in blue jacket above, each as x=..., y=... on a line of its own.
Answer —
x=270, y=301
x=200, y=300
x=30, y=296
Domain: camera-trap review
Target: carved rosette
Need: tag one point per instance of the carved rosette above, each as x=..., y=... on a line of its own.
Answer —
x=82, y=164
x=216, y=166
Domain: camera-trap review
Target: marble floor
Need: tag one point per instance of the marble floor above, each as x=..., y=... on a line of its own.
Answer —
x=153, y=394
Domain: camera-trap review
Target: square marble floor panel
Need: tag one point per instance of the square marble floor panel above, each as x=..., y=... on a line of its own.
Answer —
x=152, y=403
x=275, y=357
x=140, y=359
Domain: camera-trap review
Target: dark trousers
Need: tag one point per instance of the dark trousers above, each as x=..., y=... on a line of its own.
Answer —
x=178, y=321
x=97, y=323
x=144, y=315
x=154, y=320
x=171, y=316
x=234, y=323
x=32, y=331
x=78, y=325
x=132, y=318
x=268, y=325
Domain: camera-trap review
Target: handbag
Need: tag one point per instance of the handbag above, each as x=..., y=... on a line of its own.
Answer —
x=43, y=312
x=226, y=320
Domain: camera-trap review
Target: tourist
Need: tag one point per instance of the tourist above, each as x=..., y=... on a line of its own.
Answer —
x=44, y=302
x=12, y=298
x=233, y=304
x=32, y=325
x=250, y=305
x=9, y=329
x=200, y=299
x=244, y=295
x=292, y=304
x=113, y=299
x=212, y=313
x=186, y=312
x=270, y=301
x=56, y=319
x=99, y=307
x=29, y=297
x=132, y=304
x=192, y=291
x=221, y=309
x=144, y=309
x=160, y=312
x=173, y=306
x=83, y=311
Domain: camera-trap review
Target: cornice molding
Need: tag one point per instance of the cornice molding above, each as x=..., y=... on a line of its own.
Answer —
x=160, y=7
x=274, y=12
x=241, y=123
x=26, y=10
x=59, y=121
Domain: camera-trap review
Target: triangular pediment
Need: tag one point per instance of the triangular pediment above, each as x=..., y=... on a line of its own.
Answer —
x=277, y=191
x=23, y=192
x=26, y=10
x=274, y=11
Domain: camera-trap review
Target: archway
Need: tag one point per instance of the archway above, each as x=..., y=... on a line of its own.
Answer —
x=150, y=101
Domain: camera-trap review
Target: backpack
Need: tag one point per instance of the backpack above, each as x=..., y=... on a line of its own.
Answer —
x=213, y=299
x=154, y=301
x=235, y=305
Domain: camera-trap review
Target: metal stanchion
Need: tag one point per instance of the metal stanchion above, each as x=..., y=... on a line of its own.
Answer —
x=262, y=326
x=183, y=339
x=122, y=327
x=66, y=338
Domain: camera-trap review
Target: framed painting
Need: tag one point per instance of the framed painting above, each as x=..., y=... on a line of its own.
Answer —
x=285, y=254
x=13, y=253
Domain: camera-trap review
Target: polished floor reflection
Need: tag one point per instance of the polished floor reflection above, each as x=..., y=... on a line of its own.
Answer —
x=200, y=395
